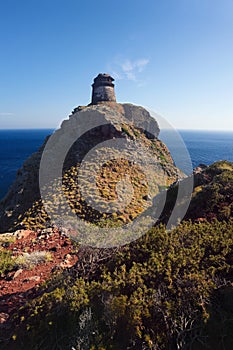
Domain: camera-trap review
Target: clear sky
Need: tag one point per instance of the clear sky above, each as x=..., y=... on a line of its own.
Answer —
x=173, y=56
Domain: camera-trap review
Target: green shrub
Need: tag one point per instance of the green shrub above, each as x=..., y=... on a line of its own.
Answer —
x=7, y=262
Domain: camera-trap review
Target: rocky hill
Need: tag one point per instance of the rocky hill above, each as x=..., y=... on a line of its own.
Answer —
x=88, y=127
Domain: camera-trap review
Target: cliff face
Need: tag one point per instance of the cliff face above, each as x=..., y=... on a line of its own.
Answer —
x=110, y=125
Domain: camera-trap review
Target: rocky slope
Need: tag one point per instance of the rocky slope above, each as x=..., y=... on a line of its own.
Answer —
x=212, y=195
x=213, y=192
x=88, y=127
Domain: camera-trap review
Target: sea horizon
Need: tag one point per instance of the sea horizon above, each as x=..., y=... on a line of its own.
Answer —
x=178, y=129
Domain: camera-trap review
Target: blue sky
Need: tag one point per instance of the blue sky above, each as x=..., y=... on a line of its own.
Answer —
x=173, y=56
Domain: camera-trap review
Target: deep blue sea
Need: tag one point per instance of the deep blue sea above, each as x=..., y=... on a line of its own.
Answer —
x=203, y=147
x=16, y=145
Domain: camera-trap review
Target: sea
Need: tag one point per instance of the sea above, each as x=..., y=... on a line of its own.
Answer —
x=202, y=147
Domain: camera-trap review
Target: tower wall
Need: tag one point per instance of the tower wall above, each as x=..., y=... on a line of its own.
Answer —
x=103, y=93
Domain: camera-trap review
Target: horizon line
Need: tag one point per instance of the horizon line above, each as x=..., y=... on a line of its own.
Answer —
x=180, y=129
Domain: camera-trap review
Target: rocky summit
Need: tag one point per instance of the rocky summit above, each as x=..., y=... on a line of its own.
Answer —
x=127, y=166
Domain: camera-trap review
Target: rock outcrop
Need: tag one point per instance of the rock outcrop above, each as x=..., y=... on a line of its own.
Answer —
x=122, y=146
x=97, y=124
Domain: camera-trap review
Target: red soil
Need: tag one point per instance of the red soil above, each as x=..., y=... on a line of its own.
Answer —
x=19, y=286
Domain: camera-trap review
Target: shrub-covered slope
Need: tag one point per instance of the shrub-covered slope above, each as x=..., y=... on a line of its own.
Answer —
x=213, y=192
x=168, y=290
x=212, y=195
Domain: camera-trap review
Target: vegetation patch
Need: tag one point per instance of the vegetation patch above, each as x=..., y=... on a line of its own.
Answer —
x=27, y=260
x=7, y=261
x=160, y=292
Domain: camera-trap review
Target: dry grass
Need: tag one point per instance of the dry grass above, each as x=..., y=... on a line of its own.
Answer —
x=34, y=258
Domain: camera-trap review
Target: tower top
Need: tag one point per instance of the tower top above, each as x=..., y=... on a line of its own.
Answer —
x=103, y=79
x=103, y=89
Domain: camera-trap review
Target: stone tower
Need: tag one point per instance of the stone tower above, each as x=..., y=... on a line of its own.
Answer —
x=103, y=89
